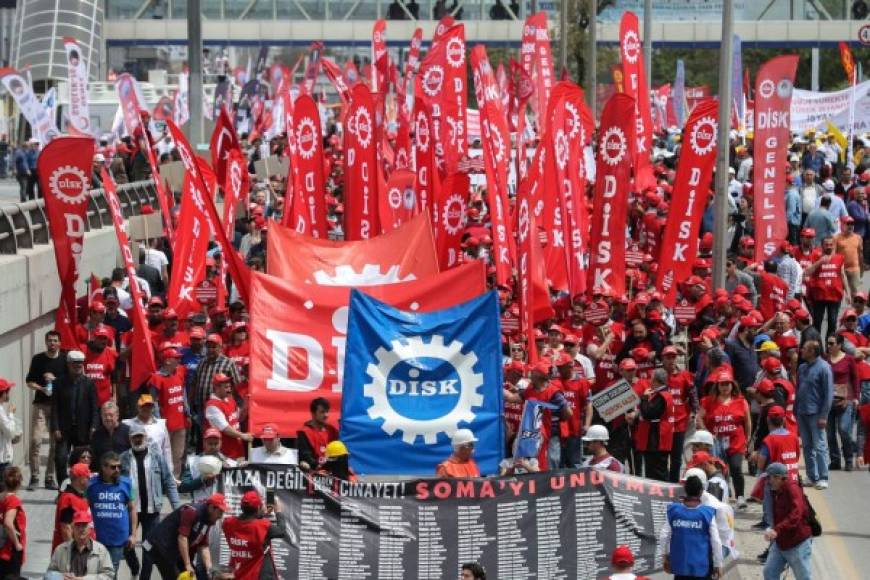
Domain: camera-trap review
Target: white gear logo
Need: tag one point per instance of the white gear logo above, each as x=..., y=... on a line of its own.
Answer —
x=455, y=52
x=394, y=197
x=413, y=348
x=363, y=127
x=703, y=138
x=432, y=80
x=307, y=139
x=69, y=184
x=576, y=126
x=401, y=159
x=498, y=144
x=452, y=214
x=422, y=132
x=524, y=220
x=613, y=146
x=370, y=275
x=561, y=149
x=766, y=88
x=631, y=46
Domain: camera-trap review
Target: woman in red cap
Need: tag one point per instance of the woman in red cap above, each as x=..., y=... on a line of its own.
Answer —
x=725, y=413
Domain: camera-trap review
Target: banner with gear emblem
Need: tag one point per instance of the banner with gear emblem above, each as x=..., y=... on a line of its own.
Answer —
x=412, y=379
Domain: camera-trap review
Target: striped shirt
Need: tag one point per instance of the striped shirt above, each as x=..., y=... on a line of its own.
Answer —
x=792, y=274
x=205, y=372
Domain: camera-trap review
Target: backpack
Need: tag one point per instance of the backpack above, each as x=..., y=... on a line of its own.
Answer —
x=811, y=519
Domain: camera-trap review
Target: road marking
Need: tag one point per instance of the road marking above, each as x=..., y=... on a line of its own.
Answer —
x=834, y=545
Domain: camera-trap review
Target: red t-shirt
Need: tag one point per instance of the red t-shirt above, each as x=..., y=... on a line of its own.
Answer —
x=99, y=367
x=725, y=421
x=246, y=540
x=680, y=385
x=10, y=502
x=772, y=296
x=576, y=393
x=785, y=449
x=170, y=397
x=827, y=280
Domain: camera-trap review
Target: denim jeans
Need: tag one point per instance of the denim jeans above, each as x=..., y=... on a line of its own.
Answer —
x=815, y=447
x=554, y=453
x=841, y=422
x=799, y=559
x=116, y=553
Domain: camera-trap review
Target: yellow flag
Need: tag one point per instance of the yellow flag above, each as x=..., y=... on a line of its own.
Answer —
x=839, y=137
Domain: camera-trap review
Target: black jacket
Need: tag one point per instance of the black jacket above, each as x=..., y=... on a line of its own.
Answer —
x=101, y=442
x=74, y=408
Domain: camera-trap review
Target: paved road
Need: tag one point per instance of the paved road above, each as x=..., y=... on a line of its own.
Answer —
x=8, y=191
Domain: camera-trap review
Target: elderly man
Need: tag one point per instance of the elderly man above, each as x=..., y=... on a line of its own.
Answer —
x=272, y=451
x=111, y=435
x=82, y=556
x=154, y=427
x=815, y=395
x=461, y=462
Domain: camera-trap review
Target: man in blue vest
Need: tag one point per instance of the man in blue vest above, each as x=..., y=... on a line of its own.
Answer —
x=689, y=541
x=113, y=506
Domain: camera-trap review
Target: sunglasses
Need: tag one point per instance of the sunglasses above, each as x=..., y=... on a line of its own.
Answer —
x=114, y=467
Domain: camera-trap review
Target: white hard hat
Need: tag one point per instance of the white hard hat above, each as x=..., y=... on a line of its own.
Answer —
x=75, y=356
x=597, y=433
x=209, y=465
x=463, y=437
x=696, y=472
x=702, y=437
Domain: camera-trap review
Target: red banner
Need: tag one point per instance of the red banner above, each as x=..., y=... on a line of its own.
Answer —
x=130, y=106
x=142, y=363
x=360, y=180
x=223, y=139
x=238, y=270
x=527, y=53
x=406, y=253
x=773, y=88
x=399, y=202
x=235, y=188
x=64, y=169
x=413, y=61
x=442, y=80
x=379, y=49
x=631, y=51
x=424, y=156
x=308, y=164
x=298, y=337
x=448, y=218
x=164, y=197
x=441, y=29
x=496, y=156
x=543, y=72
x=612, y=183
x=336, y=76
x=688, y=200
x=191, y=245
x=524, y=91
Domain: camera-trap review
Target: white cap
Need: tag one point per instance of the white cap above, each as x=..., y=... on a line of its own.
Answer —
x=597, y=433
x=463, y=437
x=696, y=472
x=75, y=356
x=702, y=437
x=828, y=185
x=99, y=158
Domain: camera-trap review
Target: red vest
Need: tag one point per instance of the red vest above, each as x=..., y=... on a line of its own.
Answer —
x=98, y=368
x=576, y=393
x=828, y=280
x=513, y=414
x=170, y=398
x=788, y=387
x=246, y=540
x=319, y=439
x=241, y=357
x=666, y=426
x=725, y=422
x=230, y=446
x=785, y=449
x=771, y=298
x=679, y=385
x=807, y=259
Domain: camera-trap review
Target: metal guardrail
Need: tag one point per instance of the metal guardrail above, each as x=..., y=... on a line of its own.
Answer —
x=24, y=225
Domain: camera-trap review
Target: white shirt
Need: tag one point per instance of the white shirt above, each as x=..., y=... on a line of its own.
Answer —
x=124, y=299
x=283, y=456
x=588, y=368
x=157, y=434
x=156, y=259
x=9, y=429
x=725, y=523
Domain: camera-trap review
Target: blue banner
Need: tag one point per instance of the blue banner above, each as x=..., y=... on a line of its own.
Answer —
x=411, y=379
x=679, y=95
x=529, y=438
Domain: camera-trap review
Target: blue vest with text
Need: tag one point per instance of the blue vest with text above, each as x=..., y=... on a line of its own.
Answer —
x=690, y=539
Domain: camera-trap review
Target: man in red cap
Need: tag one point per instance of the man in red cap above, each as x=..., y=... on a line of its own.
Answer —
x=685, y=399
x=168, y=332
x=622, y=561
x=779, y=445
x=239, y=351
x=71, y=500
x=222, y=413
x=829, y=285
x=100, y=362
x=96, y=317
x=576, y=392
x=167, y=388
x=272, y=451
x=806, y=253
x=214, y=362
x=605, y=341
x=851, y=246
x=248, y=536
x=653, y=429
x=176, y=542
x=81, y=555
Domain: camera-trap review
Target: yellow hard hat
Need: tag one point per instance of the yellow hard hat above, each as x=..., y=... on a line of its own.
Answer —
x=185, y=576
x=335, y=449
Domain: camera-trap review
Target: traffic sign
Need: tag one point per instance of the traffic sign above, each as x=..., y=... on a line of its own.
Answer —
x=864, y=35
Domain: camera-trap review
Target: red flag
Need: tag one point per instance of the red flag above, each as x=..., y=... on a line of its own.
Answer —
x=448, y=217
x=543, y=72
x=130, y=106
x=847, y=60
x=689, y=199
x=360, y=183
x=442, y=80
x=379, y=50
x=308, y=164
x=406, y=253
x=223, y=139
x=188, y=264
x=142, y=364
x=633, y=68
x=235, y=188
x=441, y=29
x=399, y=202
x=526, y=232
x=413, y=60
x=527, y=51
x=336, y=77
x=238, y=270
x=496, y=154
x=298, y=337
x=64, y=169
x=612, y=182
x=424, y=156
x=773, y=88
x=524, y=92
x=164, y=197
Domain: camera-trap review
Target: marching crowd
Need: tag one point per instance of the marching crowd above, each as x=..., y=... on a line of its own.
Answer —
x=745, y=378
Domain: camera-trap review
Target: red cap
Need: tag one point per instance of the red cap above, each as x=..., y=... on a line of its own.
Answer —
x=801, y=314
x=793, y=304
x=775, y=411
x=215, y=338
x=741, y=289
x=104, y=331
x=765, y=387
x=695, y=281
x=707, y=241
x=170, y=353
x=849, y=313
x=241, y=325
x=787, y=342
x=270, y=431
x=859, y=296
x=98, y=306
x=217, y=500
x=747, y=241
x=670, y=350
x=622, y=556
x=217, y=310
x=711, y=332
x=515, y=365
x=640, y=353
x=220, y=378
x=251, y=499
x=627, y=364
x=556, y=328
x=80, y=470
x=705, y=301
x=847, y=219
x=700, y=457
x=771, y=364
x=542, y=366
x=642, y=298
x=82, y=517
x=212, y=433
x=749, y=321
x=653, y=315
x=197, y=332
x=170, y=314
x=808, y=233
x=570, y=339
x=563, y=359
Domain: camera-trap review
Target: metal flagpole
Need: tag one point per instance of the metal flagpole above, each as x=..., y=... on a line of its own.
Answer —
x=592, y=56
x=647, y=42
x=720, y=206
x=194, y=63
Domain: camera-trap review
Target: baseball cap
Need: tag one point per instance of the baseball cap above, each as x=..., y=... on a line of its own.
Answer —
x=197, y=332
x=170, y=353
x=104, y=331
x=217, y=500
x=170, y=314
x=563, y=359
x=777, y=469
x=220, y=378
x=555, y=328
x=787, y=342
x=136, y=429
x=251, y=499
x=765, y=387
x=847, y=219
x=642, y=298
x=748, y=322
x=640, y=353
x=570, y=339
x=628, y=364
x=849, y=313
x=776, y=411
x=75, y=356
x=215, y=338
x=156, y=301
x=145, y=399
x=859, y=296
x=700, y=457
x=515, y=365
x=82, y=516
x=212, y=433
x=670, y=350
x=542, y=366
x=270, y=431
x=98, y=306
x=771, y=364
x=5, y=385
x=808, y=233
x=80, y=470
x=241, y=325
x=799, y=314
x=622, y=556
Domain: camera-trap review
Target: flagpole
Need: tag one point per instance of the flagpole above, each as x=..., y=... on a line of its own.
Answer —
x=592, y=57
x=720, y=207
x=647, y=42
x=194, y=63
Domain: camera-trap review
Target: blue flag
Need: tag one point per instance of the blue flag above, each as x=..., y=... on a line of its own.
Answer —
x=529, y=438
x=412, y=379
